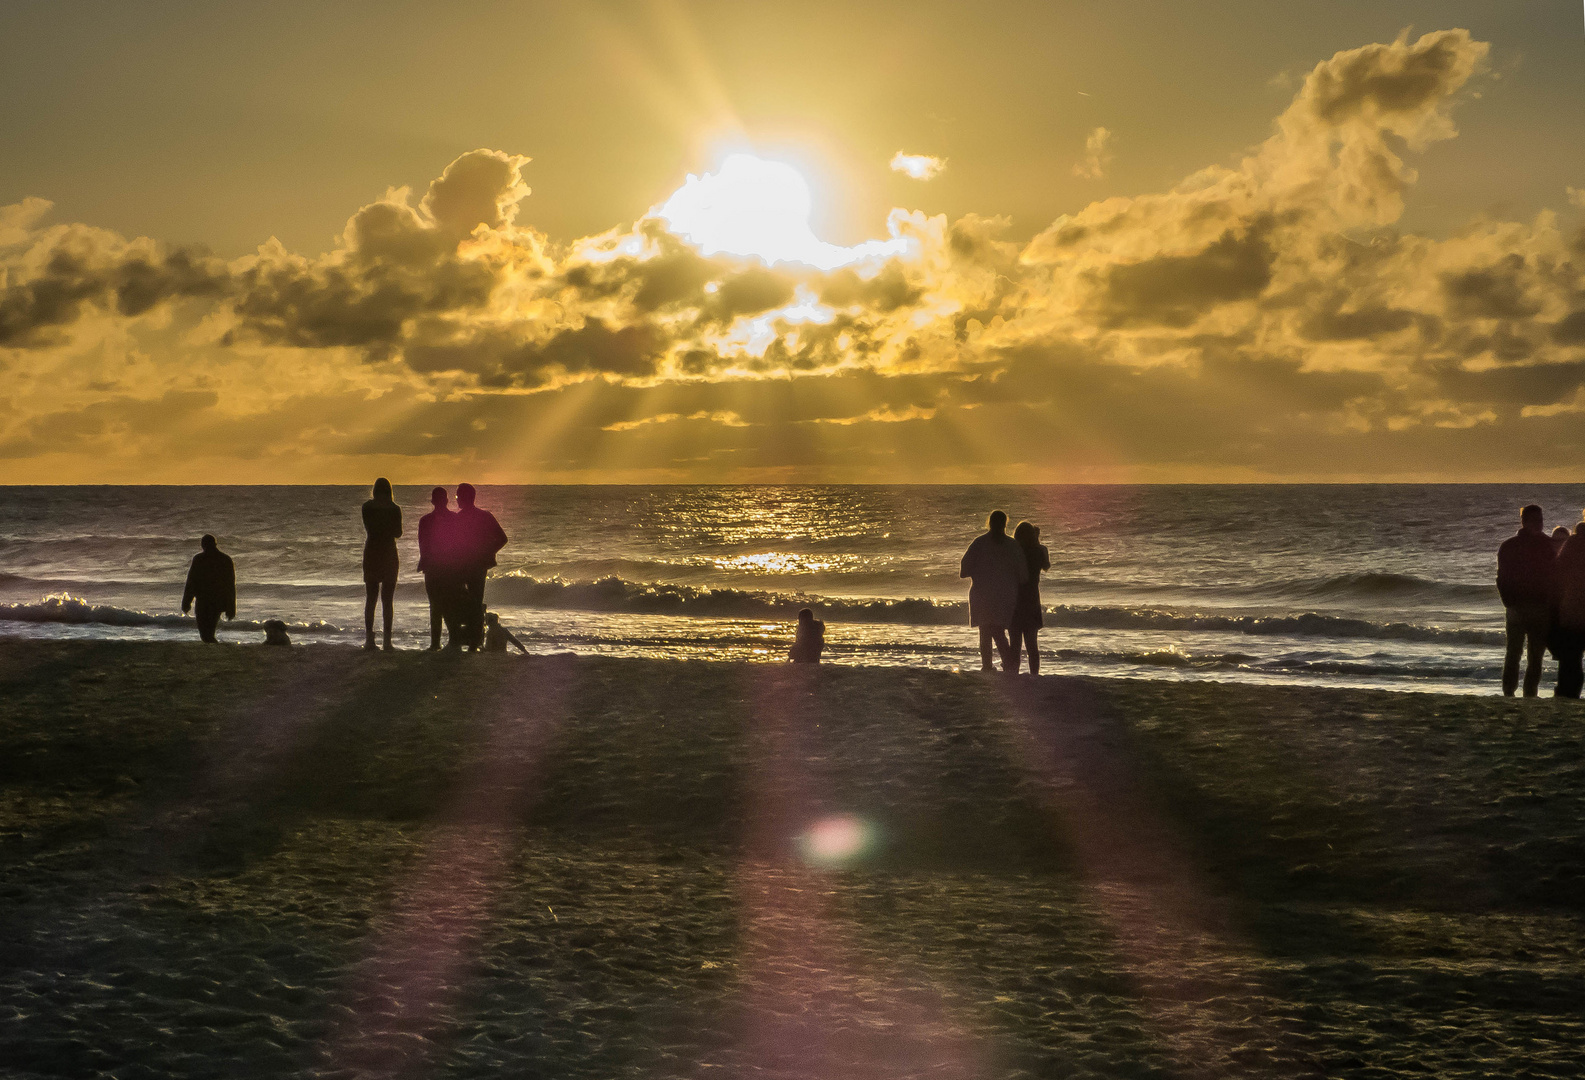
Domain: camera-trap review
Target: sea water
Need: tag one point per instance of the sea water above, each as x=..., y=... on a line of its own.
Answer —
x=1368, y=585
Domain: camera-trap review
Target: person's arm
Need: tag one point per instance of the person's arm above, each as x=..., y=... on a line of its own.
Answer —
x=1045, y=557
x=230, y=571
x=514, y=641
x=497, y=535
x=966, y=567
x=190, y=590
x=398, y=517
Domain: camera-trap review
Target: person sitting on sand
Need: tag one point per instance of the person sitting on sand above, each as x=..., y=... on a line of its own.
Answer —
x=1568, y=635
x=1526, y=566
x=437, y=561
x=809, y=640
x=996, y=567
x=496, y=636
x=275, y=633
x=1027, y=620
x=212, y=586
x=382, y=523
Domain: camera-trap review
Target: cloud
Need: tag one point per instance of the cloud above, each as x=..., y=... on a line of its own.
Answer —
x=918, y=166
x=1265, y=318
x=1097, y=155
x=1576, y=196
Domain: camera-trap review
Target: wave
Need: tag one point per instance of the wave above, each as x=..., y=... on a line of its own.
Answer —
x=614, y=594
x=64, y=608
x=1378, y=585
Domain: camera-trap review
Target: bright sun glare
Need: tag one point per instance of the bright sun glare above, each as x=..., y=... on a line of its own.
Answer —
x=759, y=208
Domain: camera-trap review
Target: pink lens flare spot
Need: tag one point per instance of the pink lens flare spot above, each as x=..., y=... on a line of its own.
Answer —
x=836, y=840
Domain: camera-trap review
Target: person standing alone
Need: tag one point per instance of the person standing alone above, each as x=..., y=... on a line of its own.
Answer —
x=479, y=537
x=382, y=522
x=212, y=586
x=1526, y=572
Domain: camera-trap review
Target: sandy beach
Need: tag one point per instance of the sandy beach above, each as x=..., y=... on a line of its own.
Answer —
x=241, y=861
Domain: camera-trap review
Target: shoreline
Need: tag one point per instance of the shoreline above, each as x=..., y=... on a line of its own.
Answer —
x=1160, y=665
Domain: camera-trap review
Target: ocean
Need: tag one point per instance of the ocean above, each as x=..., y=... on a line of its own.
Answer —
x=1345, y=585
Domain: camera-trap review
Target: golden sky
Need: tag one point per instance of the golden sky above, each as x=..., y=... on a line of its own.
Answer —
x=870, y=243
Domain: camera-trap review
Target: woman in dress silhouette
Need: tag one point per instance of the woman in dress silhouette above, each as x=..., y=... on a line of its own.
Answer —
x=1026, y=614
x=382, y=521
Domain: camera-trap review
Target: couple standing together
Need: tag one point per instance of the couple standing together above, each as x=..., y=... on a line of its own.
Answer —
x=1004, y=594
x=456, y=549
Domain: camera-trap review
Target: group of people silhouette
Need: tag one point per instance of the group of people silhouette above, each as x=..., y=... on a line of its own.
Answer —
x=1004, y=591
x=456, y=549
x=1541, y=580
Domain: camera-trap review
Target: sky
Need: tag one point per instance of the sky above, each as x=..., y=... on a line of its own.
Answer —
x=740, y=242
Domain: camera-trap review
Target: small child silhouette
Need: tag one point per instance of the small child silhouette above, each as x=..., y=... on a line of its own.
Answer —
x=496, y=636
x=275, y=633
x=810, y=640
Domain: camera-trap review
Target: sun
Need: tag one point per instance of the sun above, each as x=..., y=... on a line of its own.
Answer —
x=759, y=209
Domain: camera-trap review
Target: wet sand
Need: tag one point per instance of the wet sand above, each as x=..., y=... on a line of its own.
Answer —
x=240, y=861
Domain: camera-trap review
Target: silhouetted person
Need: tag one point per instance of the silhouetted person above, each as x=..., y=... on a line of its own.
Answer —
x=1559, y=538
x=996, y=566
x=496, y=636
x=479, y=537
x=382, y=522
x=1027, y=619
x=211, y=586
x=1526, y=567
x=275, y=633
x=1569, y=633
x=809, y=639
x=437, y=561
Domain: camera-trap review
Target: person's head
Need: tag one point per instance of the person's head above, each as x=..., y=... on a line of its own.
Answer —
x=806, y=616
x=1530, y=518
x=382, y=489
x=465, y=494
x=997, y=522
x=439, y=498
x=207, y=543
x=491, y=618
x=1027, y=534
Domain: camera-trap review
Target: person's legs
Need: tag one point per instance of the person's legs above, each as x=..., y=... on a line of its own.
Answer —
x=208, y=619
x=1009, y=662
x=436, y=594
x=1032, y=647
x=1536, y=631
x=985, y=649
x=476, y=610
x=1514, y=624
x=455, y=605
x=371, y=593
x=1569, y=649
x=387, y=597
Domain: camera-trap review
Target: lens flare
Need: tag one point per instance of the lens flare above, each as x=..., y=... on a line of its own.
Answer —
x=836, y=841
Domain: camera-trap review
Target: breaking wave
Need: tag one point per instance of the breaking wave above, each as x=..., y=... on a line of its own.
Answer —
x=65, y=608
x=615, y=594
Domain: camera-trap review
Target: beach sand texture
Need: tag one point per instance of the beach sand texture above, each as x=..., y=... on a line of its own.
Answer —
x=239, y=861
